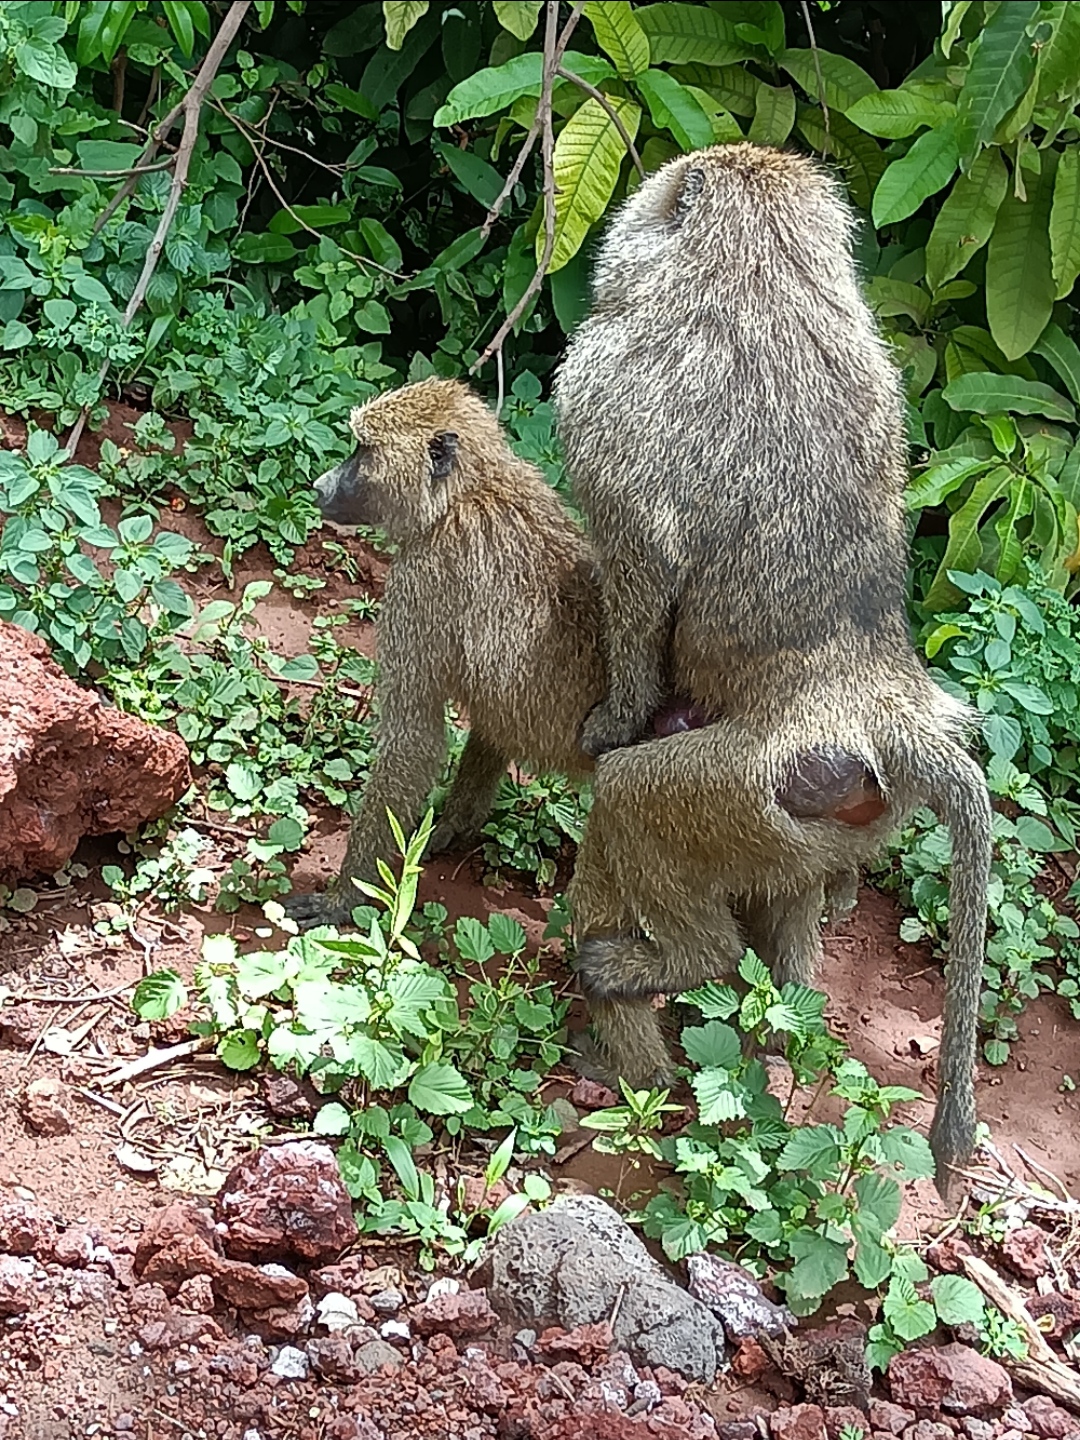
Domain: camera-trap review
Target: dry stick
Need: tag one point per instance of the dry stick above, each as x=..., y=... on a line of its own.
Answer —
x=817, y=63
x=338, y=170
x=191, y=107
x=1040, y=1369
x=609, y=109
x=153, y=1061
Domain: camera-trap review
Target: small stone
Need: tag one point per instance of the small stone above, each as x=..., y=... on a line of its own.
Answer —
x=331, y=1357
x=17, y=1293
x=371, y=1358
x=287, y=1200
x=976, y=1429
x=948, y=1255
x=287, y=1098
x=585, y=1344
x=336, y=1311
x=526, y=1339
x=928, y=1430
x=738, y=1430
x=387, y=1302
x=461, y=1314
x=290, y=1364
x=799, y=1422
x=1047, y=1419
x=591, y=1095
x=25, y=1230
x=1024, y=1251
x=1064, y=1310
x=733, y=1295
x=124, y=1423
x=844, y=1417
x=893, y=1419
x=954, y=1378
x=750, y=1361
x=196, y=1294
x=646, y=1396
x=74, y=1248
x=395, y=1330
x=43, y=1107
x=445, y=1285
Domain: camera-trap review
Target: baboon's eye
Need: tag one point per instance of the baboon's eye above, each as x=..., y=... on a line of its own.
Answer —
x=443, y=451
x=693, y=182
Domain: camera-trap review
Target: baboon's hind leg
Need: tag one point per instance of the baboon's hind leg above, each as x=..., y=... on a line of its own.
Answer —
x=472, y=793
x=784, y=931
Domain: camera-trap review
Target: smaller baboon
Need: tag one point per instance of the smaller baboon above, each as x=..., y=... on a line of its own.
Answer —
x=491, y=604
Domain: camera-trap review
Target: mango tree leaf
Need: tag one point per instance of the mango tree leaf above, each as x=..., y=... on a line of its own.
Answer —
x=957, y=11
x=859, y=154
x=588, y=157
x=725, y=128
x=895, y=114
x=1001, y=70
x=889, y=296
x=619, y=34
x=965, y=221
x=934, y=485
x=843, y=81
x=518, y=16
x=988, y=394
x=183, y=31
x=674, y=108
x=1063, y=353
x=774, y=115
x=1019, y=277
x=1065, y=222
x=482, y=181
x=1059, y=62
x=690, y=34
x=923, y=171
x=498, y=86
x=964, y=549
x=401, y=16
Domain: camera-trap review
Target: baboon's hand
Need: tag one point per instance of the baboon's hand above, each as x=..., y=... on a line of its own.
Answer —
x=607, y=729
x=453, y=835
x=324, y=908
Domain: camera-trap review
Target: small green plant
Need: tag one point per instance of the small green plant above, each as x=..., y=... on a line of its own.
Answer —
x=532, y=822
x=629, y=1130
x=168, y=873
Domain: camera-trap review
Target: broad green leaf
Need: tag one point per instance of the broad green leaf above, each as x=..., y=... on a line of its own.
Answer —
x=264, y=249
x=1063, y=353
x=774, y=115
x=732, y=85
x=859, y=154
x=714, y=1044
x=439, y=1089
x=45, y=62
x=331, y=1119
x=619, y=34
x=288, y=222
x=895, y=114
x=588, y=157
x=507, y=934
x=674, y=108
x=718, y=1100
x=879, y=1200
x=821, y=1264
x=814, y=1148
x=1059, y=68
x=243, y=779
x=473, y=940
x=350, y=100
x=499, y=86
x=1020, y=287
x=888, y=296
x=1001, y=70
x=159, y=995
x=843, y=81
x=934, y=485
x=690, y=34
x=910, y=1317
x=183, y=31
x=957, y=1299
x=964, y=548
x=481, y=180
x=987, y=394
x=239, y=1050
x=965, y=221
x=401, y=16
x=909, y=1154
x=872, y=1263
x=1065, y=222
x=382, y=1066
x=957, y=11
x=928, y=166
x=716, y=1002
x=518, y=16
x=725, y=128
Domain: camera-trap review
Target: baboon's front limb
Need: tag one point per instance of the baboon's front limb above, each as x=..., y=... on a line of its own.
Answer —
x=469, y=802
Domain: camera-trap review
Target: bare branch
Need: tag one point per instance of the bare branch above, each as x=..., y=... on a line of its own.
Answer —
x=817, y=63
x=612, y=114
x=336, y=170
x=135, y=170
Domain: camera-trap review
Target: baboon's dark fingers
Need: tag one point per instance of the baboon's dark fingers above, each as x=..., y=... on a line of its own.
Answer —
x=324, y=908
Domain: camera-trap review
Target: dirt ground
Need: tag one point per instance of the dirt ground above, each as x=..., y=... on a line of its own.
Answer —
x=75, y=1366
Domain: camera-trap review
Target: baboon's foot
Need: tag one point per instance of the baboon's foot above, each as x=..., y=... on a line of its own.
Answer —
x=607, y=729
x=591, y=1059
x=841, y=895
x=322, y=908
x=451, y=835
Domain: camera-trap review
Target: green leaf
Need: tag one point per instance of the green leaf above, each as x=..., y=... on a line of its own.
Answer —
x=928, y=166
x=895, y=114
x=965, y=221
x=331, y=1119
x=910, y=1317
x=482, y=181
x=159, y=995
x=439, y=1089
x=1036, y=835
x=1001, y=70
x=1020, y=286
x=964, y=548
x=494, y=89
x=507, y=934
x=473, y=940
x=1059, y=62
x=938, y=482
x=907, y=1152
x=774, y=115
x=588, y=157
x=45, y=62
x=984, y=393
x=714, y=1044
x=350, y=100
x=372, y=317
x=957, y=1299
x=765, y=1227
x=243, y=779
x=176, y=13
x=1062, y=352
x=289, y=222
x=815, y=1149
x=674, y=108
x=718, y=1099
x=400, y=1157
x=380, y=1065
x=264, y=249
x=107, y=154
x=690, y=34
x=518, y=16
x=859, y=154
x=957, y=11
x=820, y=1266
x=1065, y=222
x=619, y=34
x=716, y=1002
x=401, y=16
x=239, y=1050
x=843, y=81
x=879, y=1200
x=16, y=334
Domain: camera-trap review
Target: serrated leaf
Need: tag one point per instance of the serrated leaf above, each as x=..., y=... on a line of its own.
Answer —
x=159, y=995
x=674, y=108
x=1020, y=287
x=872, y=1263
x=895, y=114
x=814, y=1148
x=588, y=157
x=619, y=34
x=439, y=1089
x=910, y=1317
x=1003, y=734
x=507, y=934
x=716, y=1002
x=821, y=1264
x=965, y=221
x=401, y=16
x=473, y=940
x=928, y=166
x=957, y=1299
x=765, y=1227
x=714, y=1044
x=985, y=393
x=774, y=115
x=1000, y=71
x=680, y=34
x=844, y=82
x=1065, y=222
x=518, y=16
x=718, y=1100
x=908, y=1152
x=879, y=1200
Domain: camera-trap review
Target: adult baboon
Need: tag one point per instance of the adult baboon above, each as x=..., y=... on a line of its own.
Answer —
x=492, y=603
x=733, y=426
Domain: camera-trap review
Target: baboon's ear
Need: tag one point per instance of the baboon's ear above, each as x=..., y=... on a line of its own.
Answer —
x=443, y=450
x=693, y=182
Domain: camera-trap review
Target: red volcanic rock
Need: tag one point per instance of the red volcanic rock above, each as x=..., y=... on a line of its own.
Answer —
x=70, y=765
x=285, y=1201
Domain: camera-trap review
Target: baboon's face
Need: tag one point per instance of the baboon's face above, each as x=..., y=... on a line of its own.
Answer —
x=397, y=486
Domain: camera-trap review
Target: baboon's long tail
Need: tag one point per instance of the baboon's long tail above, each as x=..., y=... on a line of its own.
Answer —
x=955, y=789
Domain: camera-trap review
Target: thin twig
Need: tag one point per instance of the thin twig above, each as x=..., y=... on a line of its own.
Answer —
x=260, y=131
x=514, y=176
x=609, y=109
x=135, y=170
x=1040, y=1369
x=817, y=63
x=153, y=1061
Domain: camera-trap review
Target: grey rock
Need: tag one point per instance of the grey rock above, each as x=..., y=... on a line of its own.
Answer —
x=387, y=1302
x=395, y=1330
x=290, y=1364
x=732, y=1294
x=567, y=1265
x=526, y=1339
x=372, y=1357
x=337, y=1312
